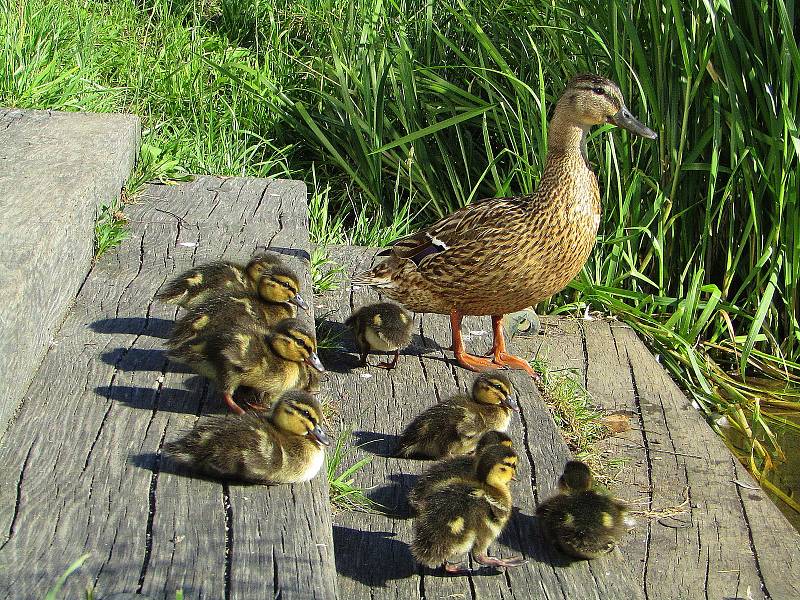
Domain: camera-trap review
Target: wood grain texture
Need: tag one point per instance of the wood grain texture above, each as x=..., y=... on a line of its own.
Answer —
x=731, y=542
x=372, y=555
x=56, y=169
x=81, y=465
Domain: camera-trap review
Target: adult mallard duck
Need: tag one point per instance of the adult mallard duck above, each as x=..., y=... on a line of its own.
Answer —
x=501, y=255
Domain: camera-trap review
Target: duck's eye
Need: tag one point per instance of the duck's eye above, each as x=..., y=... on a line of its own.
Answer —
x=599, y=91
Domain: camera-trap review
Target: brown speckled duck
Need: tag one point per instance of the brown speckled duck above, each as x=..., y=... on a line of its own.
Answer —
x=501, y=255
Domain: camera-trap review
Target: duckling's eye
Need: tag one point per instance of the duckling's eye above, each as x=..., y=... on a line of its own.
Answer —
x=307, y=415
x=599, y=91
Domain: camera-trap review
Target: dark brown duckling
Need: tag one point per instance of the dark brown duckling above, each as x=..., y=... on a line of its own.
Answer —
x=195, y=285
x=453, y=427
x=234, y=353
x=275, y=300
x=580, y=521
x=467, y=516
x=282, y=447
x=458, y=468
x=384, y=326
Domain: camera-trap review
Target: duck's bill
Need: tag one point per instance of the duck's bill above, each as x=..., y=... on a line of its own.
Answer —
x=298, y=300
x=510, y=402
x=314, y=362
x=320, y=436
x=626, y=120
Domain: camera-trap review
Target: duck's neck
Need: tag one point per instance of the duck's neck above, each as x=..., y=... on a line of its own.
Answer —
x=565, y=137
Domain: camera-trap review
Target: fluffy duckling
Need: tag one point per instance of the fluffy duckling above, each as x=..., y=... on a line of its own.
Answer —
x=453, y=427
x=275, y=300
x=458, y=468
x=239, y=352
x=580, y=521
x=466, y=516
x=282, y=447
x=384, y=326
x=195, y=285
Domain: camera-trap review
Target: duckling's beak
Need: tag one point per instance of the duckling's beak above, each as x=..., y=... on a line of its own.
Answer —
x=510, y=402
x=314, y=361
x=320, y=436
x=626, y=120
x=298, y=300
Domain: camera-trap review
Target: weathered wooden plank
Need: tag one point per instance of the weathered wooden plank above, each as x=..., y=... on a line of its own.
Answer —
x=55, y=170
x=372, y=555
x=83, y=452
x=717, y=548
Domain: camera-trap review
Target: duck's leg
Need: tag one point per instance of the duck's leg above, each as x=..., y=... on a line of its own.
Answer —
x=491, y=561
x=466, y=360
x=455, y=568
x=503, y=358
x=389, y=365
x=235, y=408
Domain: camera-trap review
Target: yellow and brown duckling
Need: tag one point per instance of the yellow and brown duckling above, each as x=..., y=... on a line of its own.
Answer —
x=274, y=300
x=458, y=468
x=454, y=426
x=284, y=446
x=196, y=285
x=468, y=515
x=580, y=521
x=239, y=352
x=384, y=326
x=500, y=255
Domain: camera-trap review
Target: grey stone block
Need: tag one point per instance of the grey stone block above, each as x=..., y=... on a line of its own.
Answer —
x=55, y=170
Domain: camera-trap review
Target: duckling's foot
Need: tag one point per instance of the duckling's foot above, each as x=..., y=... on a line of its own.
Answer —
x=455, y=569
x=235, y=408
x=491, y=561
x=391, y=364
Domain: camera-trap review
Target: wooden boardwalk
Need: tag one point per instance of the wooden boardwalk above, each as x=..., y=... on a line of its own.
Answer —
x=732, y=541
x=80, y=465
x=81, y=469
x=372, y=555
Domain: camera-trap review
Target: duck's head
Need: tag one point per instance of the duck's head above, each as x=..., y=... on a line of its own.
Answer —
x=298, y=412
x=280, y=284
x=259, y=262
x=494, y=388
x=295, y=341
x=497, y=466
x=493, y=438
x=576, y=478
x=593, y=100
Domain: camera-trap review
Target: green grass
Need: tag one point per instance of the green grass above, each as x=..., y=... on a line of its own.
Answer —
x=574, y=411
x=344, y=493
x=109, y=228
x=399, y=111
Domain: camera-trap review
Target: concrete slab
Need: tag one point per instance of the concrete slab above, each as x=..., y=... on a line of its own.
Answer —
x=55, y=170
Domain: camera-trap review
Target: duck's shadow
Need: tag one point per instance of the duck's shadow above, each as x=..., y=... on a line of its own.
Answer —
x=379, y=444
x=372, y=557
x=392, y=499
x=150, y=326
x=142, y=359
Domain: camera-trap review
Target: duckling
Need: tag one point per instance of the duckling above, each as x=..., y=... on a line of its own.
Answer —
x=282, y=447
x=468, y=515
x=239, y=352
x=454, y=426
x=384, y=326
x=580, y=521
x=458, y=468
x=195, y=285
x=274, y=301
